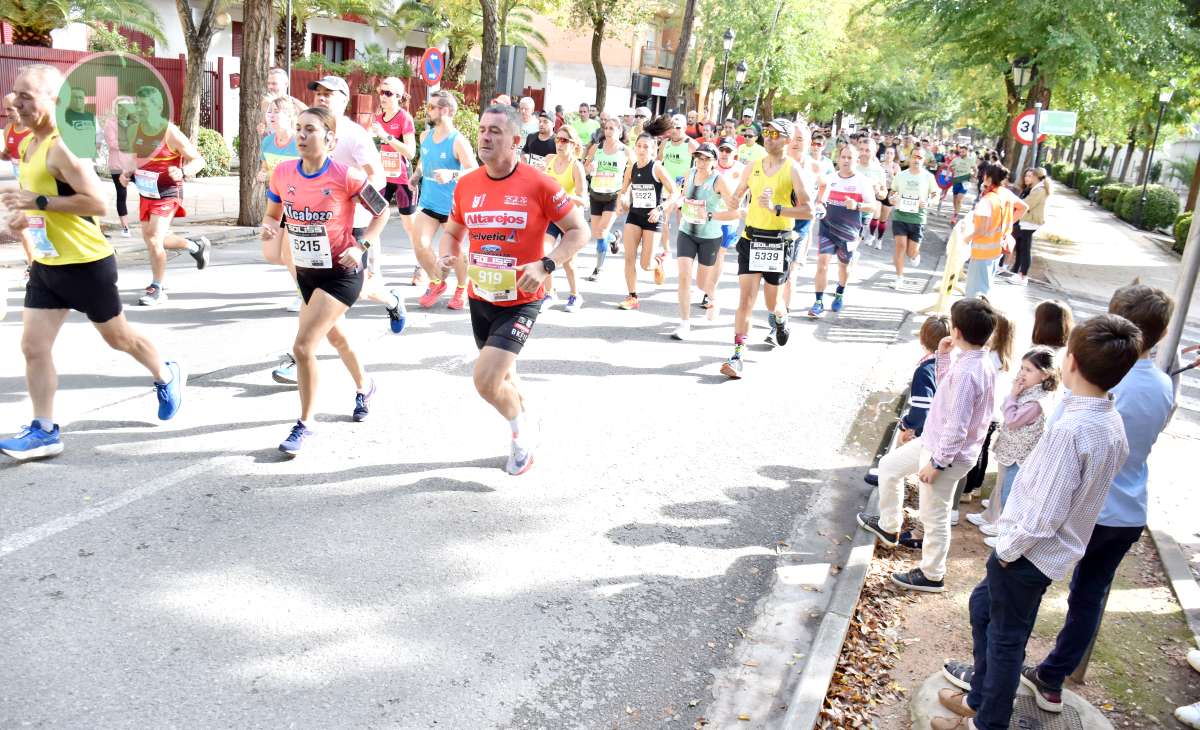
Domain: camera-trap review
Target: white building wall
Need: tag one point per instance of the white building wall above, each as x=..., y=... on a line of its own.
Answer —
x=571, y=83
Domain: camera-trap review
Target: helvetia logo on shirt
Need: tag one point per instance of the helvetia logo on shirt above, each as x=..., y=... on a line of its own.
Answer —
x=497, y=219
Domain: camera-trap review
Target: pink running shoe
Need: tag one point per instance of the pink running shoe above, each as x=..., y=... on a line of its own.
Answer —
x=431, y=295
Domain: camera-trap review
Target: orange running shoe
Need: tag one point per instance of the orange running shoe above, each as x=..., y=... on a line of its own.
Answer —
x=660, y=274
x=432, y=294
x=630, y=302
x=459, y=300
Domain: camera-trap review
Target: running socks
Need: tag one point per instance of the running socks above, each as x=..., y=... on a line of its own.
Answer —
x=46, y=424
x=840, y=289
x=820, y=295
x=601, y=252
x=771, y=320
x=739, y=344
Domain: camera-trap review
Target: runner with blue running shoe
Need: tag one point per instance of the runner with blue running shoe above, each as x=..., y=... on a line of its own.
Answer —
x=59, y=204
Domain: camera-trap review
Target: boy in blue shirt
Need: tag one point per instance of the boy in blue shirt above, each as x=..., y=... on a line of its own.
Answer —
x=1144, y=399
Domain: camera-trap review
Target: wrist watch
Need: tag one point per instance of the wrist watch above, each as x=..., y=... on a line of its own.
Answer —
x=936, y=465
x=548, y=264
x=41, y=202
x=778, y=210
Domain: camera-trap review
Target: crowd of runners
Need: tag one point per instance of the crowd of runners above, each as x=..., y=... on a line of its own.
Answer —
x=500, y=215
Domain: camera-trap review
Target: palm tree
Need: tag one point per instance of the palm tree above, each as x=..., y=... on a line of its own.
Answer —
x=32, y=20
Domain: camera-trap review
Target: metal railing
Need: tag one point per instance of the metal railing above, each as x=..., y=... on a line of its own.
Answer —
x=655, y=57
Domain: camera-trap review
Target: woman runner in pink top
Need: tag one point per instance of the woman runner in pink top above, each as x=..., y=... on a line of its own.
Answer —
x=315, y=197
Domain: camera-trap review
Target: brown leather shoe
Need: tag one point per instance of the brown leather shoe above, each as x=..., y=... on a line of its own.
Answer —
x=955, y=701
x=951, y=723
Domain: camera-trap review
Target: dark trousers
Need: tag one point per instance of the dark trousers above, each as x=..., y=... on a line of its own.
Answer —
x=1022, y=252
x=974, y=478
x=1004, y=607
x=1093, y=575
x=122, y=209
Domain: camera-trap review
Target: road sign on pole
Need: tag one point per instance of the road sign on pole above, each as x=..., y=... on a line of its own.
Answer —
x=1037, y=136
x=1023, y=126
x=432, y=65
x=1058, y=123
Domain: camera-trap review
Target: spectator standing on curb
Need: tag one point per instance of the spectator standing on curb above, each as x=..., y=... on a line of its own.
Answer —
x=1047, y=523
x=946, y=450
x=1036, y=191
x=994, y=214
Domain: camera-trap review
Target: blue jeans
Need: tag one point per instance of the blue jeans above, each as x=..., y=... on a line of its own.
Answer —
x=979, y=276
x=1010, y=478
x=1093, y=575
x=1004, y=607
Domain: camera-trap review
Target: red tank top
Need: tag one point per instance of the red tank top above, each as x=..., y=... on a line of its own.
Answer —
x=12, y=142
x=155, y=156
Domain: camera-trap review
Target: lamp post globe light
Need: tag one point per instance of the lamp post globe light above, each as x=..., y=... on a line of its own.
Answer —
x=739, y=78
x=727, y=44
x=1164, y=98
x=1021, y=72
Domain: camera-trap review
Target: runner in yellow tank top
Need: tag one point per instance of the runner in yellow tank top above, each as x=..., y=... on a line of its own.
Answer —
x=59, y=202
x=567, y=169
x=778, y=196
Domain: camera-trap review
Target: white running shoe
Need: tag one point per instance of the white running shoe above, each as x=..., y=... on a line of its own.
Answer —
x=683, y=331
x=953, y=517
x=915, y=260
x=977, y=519
x=990, y=529
x=296, y=304
x=990, y=542
x=898, y=284
x=520, y=454
x=985, y=503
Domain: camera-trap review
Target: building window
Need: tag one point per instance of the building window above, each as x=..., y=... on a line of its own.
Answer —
x=334, y=48
x=236, y=44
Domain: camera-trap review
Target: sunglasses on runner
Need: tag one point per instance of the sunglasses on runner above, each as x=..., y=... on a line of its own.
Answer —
x=771, y=134
x=562, y=140
x=385, y=92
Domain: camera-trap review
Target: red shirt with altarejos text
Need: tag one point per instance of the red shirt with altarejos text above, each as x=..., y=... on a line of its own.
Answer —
x=506, y=223
x=395, y=166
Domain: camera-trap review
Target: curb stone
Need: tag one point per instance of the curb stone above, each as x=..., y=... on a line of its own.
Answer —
x=1183, y=582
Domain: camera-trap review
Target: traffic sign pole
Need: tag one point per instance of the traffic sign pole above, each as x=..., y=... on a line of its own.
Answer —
x=1037, y=114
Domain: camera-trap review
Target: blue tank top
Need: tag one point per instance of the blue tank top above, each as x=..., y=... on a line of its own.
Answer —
x=437, y=197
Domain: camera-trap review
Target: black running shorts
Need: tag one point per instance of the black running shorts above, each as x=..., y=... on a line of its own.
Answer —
x=504, y=327
x=90, y=288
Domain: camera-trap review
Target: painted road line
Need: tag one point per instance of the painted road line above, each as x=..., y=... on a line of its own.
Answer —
x=34, y=535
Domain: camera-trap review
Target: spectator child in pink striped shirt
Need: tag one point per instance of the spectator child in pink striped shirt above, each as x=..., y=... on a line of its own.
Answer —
x=947, y=449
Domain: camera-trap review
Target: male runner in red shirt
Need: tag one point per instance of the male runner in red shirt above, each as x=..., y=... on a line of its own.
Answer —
x=505, y=207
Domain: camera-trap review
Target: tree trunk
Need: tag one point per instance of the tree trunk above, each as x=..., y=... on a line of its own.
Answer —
x=685, y=40
x=837, y=124
x=456, y=68
x=490, y=53
x=198, y=38
x=1128, y=152
x=1144, y=169
x=299, y=31
x=1079, y=153
x=768, y=105
x=1194, y=190
x=258, y=23
x=1112, y=164
x=1012, y=102
x=598, y=25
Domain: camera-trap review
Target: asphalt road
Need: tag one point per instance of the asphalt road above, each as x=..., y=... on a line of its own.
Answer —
x=184, y=575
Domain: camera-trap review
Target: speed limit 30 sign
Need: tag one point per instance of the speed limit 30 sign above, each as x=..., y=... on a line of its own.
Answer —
x=1022, y=128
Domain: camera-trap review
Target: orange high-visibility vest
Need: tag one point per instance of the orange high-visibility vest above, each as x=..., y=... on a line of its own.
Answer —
x=987, y=244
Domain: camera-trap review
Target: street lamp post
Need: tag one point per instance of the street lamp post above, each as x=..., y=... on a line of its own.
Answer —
x=1164, y=98
x=727, y=44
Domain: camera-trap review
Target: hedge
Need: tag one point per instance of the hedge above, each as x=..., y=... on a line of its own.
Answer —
x=1109, y=194
x=215, y=152
x=1162, y=206
x=1182, y=224
x=1087, y=179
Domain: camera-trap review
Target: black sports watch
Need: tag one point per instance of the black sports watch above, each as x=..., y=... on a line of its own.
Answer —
x=937, y=466
x=41, y=202
x=548, y=264
x=778, y=210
